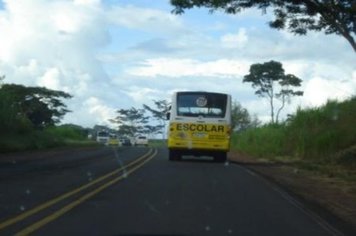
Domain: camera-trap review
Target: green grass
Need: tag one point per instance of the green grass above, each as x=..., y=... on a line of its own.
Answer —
x=319, y=132
x=43, y=139
x=81, y=143
x=266, y=141
x=67, y=132
x=157, y=143
x=323, y=135
x=28, y=141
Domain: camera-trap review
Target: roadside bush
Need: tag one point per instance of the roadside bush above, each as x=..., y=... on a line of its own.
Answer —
x=32, y=139
x=68, y=132
x=29, y=141
x=265, y=141
x=310, y=134
x=320, y=132
x=10, y=121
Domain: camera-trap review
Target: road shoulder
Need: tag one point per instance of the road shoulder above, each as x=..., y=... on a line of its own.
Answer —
x=331, y=198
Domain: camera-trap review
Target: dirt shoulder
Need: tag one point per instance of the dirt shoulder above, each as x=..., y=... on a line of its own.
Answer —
x=326, y=196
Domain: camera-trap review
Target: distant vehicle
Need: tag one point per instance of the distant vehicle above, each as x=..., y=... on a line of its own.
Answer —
x=125, y=142
x=113, y=140
x=102, y=137
x=199, y=125
x=141, y=140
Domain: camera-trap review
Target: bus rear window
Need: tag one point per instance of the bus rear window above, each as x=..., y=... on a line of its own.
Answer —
x=103, y=134
x=209, y=105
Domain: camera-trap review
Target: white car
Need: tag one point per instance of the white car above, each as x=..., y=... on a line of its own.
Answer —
x=141, y=140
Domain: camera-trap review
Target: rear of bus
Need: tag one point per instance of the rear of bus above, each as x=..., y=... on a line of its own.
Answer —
x=102, y=137
x=199, y=125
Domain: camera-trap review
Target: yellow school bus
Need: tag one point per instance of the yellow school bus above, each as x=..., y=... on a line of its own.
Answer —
x=199, y=125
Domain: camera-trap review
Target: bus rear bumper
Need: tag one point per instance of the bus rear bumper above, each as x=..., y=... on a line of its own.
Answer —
x=176, y=154
x=199, y=146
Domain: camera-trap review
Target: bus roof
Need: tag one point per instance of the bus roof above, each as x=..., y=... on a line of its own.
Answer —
x=202, y=92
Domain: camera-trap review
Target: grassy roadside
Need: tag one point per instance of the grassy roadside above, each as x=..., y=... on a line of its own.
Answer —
x=321, y=140
x=158, y=143
x=43, y=139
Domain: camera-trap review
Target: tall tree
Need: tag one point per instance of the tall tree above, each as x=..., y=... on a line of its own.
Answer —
x=299, y=17
x=2, y=78
x=255, y=122
x=10, y=120
x=152, y=130
x=240, y=118
x=159, y=113
x=131, y=121
x=41, y=106
x=271, y=82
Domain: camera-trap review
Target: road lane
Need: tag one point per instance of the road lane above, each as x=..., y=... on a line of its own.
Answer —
x=49, y=181
x=93, y=188
x=188, y=197
x=15, y=165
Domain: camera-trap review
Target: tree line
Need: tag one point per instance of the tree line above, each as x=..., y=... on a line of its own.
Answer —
x=135, y=121
x=30, y=117
x=26, y=108
x=298, y=17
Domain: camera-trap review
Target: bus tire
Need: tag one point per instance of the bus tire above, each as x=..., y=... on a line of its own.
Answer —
x=220, y=157
x=174, y=155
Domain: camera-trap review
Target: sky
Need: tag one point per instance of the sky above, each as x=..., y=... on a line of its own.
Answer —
x=114, y=55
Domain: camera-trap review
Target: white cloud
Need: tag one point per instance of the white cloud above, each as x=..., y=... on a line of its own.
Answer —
x=96, y=106
x=31, y=69
x=91, y=111
x=52, y=33
x=53, y=44
x=172, y=67
x=87, y=2
x=235, y=40
x=144, y=19
x=142, y=95
x=319, y=90
x=51, y=79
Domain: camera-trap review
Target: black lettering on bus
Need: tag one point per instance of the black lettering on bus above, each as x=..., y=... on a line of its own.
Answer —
x=200, y=128
x=221, y=128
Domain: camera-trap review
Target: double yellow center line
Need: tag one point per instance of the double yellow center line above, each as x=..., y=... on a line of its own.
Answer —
x=128, y=169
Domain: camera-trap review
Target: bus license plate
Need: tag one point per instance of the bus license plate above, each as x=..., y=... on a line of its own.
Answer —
x=199, y=135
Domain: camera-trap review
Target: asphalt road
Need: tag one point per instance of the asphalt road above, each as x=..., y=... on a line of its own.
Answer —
x=137, y=191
